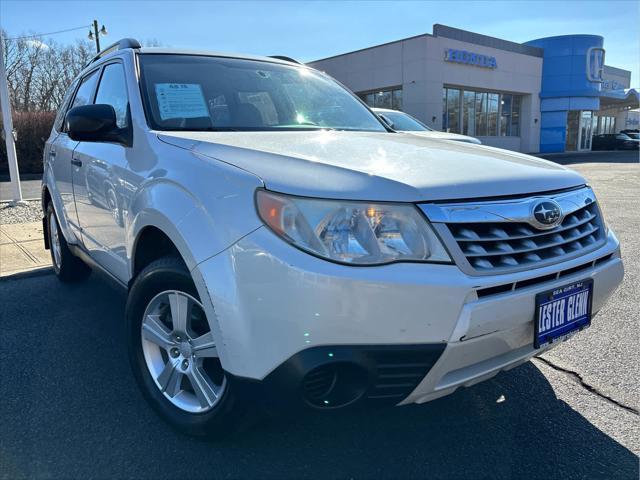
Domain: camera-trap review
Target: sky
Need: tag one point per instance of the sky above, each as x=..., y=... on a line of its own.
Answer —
x=317, y=29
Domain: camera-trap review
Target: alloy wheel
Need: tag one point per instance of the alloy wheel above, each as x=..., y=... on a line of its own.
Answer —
x=180, y=352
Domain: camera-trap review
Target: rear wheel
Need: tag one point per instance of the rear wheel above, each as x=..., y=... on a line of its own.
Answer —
x=173, y=353
x=67, y=266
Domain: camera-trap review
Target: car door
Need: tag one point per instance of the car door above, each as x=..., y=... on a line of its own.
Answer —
x=99, y=167
x=59, y=152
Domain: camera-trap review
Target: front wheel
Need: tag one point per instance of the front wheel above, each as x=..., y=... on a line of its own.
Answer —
x=173, y=353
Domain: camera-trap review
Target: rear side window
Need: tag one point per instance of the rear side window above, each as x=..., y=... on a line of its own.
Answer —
x=83, y=96
x=59, y=121
x=113, y=91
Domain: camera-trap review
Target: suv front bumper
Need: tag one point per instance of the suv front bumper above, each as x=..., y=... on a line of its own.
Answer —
x=272, y=306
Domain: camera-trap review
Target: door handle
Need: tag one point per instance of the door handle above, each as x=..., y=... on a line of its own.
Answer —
x=76, y=162
x=52, y=152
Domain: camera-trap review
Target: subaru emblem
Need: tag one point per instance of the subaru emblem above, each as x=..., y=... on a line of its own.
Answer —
x=546, y=214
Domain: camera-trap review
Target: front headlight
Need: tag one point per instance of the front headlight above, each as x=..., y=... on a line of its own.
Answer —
x=356, y=233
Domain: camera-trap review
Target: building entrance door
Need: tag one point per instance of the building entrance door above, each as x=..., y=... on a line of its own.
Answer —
x=573, y=126
x=579, y=126
x=586, y=122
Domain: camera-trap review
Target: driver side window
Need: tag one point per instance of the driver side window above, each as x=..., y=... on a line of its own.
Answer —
x=84, y=93
x=58, y=123
x=113, y=91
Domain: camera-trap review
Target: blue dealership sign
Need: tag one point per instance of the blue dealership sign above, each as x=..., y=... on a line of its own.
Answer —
x=470, y=58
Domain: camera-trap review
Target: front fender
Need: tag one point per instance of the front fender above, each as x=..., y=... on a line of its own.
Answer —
x=200, y=224
x=164, y=205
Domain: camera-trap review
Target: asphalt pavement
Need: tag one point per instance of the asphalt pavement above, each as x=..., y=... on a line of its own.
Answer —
x=69, y=407
x=609, y=356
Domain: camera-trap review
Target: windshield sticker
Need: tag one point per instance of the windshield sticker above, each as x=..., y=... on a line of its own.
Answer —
x=180, y=100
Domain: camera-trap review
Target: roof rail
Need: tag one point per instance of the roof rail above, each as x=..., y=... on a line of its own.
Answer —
x=286, y=59
x=119, y=45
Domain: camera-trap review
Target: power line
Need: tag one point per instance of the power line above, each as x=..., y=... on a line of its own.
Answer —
x=36, y=35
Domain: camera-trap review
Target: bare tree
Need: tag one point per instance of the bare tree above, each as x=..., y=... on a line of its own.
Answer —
x=39, y=71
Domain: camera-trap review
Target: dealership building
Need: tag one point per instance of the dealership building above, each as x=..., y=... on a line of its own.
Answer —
x=547, y=95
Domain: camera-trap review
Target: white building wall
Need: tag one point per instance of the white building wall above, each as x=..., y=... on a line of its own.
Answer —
x=418, y=66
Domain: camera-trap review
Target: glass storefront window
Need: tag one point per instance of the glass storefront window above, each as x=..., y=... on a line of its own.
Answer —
x=396, y=99
x=469, y=113
x=383, y=100
x=515, y=116
x=481, y=114
x=604, y=124
x=445, y=123
x=492, y=111
x=453, y=110
x=505, y=115
x=368, y=98
x=390, y=98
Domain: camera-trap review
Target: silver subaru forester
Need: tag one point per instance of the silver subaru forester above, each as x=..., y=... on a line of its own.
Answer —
x=282, y=246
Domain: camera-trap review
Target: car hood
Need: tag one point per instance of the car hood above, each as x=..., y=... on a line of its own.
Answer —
x=445, y=136
x=377, y=166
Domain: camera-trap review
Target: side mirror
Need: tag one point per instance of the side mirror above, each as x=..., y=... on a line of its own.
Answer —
x=386, y=120
x=95, y=123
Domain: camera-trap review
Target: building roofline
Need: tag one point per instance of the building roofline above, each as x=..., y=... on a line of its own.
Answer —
x=455, y=34
x=569, y=35
x=617, y=71
x=485, y=40
x=371, y=47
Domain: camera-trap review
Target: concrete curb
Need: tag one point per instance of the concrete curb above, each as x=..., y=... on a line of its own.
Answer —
x=24, y=200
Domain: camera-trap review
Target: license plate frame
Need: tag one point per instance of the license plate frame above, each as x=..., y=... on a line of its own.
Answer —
x=567, y=328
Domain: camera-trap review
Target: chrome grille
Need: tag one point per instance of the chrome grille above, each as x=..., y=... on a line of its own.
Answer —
x=491, y=245
x=498, y=236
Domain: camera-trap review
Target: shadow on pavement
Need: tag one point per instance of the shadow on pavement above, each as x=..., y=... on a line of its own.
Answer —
x=613, y=156
x=70, y=408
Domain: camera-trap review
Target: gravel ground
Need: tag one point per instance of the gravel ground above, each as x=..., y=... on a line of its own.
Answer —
x=31, y=212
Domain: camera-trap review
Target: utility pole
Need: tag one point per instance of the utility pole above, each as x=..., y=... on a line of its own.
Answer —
x=12, y=158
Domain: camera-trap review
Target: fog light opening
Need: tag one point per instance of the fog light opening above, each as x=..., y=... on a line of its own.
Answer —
x=334, y=385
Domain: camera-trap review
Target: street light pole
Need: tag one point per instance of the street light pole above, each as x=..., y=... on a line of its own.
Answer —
x=97, y=34
x=12, y=158
x=94, y=34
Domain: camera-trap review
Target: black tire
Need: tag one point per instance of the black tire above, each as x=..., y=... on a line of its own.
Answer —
x=226, y=417
x=70, y=268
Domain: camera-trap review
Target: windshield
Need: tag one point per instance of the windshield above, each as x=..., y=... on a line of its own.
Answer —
x=404, y=122
x=634, y=135
x=192, y=92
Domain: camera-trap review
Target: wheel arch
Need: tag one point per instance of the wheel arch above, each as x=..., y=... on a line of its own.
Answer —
x=45, y=199
x=161, y=237
x=185, y=220
x=150, y=245
x=50, y=194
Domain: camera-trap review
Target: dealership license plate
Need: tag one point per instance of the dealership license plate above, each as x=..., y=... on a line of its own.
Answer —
x=561, y=312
